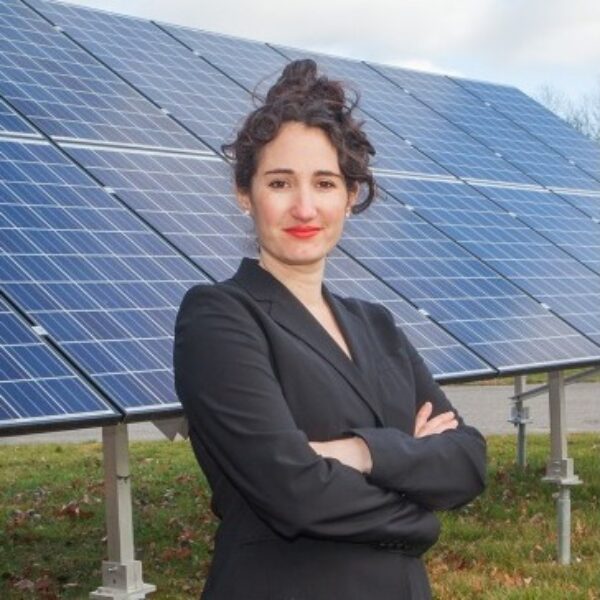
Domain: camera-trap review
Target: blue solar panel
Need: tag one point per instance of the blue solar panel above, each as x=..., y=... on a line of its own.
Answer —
x=190, y=202
x=187, y=199
x=104, y=285
x=11, y=122
x=542, y=123
x=253, y=64
x=394, y=154
x=37, y=387
x=445, y=357
x=473, y=302
x=512, y=248
x=433, y=135
x=562, y=222
x=587, y=203
x=68, y=94
x=197, y=94
x=491, y=128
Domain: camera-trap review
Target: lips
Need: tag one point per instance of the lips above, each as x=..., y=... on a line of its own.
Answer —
x=303, y=232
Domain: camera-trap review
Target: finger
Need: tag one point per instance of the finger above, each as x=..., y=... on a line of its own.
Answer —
x=435, y=423
x=440, y=427
x=441, y=418
x=422, y=416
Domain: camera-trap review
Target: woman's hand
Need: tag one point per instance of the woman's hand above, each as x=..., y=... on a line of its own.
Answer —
x=424, y=425
x=352, y=452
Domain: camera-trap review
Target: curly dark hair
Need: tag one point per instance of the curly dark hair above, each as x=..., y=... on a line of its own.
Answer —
x=301, y=94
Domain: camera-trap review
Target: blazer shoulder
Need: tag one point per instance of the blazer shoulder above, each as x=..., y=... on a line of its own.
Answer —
x=224, y=302
x=207, y=292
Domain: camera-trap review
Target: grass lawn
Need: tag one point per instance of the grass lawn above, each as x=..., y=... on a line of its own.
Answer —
x=500, y=547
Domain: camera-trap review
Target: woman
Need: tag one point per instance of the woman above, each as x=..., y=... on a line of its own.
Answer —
x=324, y=438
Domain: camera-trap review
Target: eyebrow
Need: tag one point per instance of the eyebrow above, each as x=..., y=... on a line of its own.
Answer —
x=320, y=173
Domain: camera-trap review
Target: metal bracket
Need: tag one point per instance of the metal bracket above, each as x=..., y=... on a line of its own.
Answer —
x=519, y=414
x=519, y=417
x=171, y=427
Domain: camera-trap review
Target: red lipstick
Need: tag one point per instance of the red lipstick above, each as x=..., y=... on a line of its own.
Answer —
x=302, y=231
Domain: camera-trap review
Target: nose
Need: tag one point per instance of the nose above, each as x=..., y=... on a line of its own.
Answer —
x=304, y=207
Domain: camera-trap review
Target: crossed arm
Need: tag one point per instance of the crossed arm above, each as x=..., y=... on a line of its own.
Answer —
x=354, y=451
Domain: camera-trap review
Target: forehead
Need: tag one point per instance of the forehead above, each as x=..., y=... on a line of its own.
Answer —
x=300, y=148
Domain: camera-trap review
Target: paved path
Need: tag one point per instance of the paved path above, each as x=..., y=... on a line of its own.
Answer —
x=485, y=407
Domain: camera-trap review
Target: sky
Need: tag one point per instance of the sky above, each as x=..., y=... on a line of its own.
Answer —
x=525, y=43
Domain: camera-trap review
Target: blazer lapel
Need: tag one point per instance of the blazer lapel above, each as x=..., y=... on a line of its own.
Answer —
x=291, y=314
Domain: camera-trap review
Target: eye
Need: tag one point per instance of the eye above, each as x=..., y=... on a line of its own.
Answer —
x=277, y=184
x=327, y=183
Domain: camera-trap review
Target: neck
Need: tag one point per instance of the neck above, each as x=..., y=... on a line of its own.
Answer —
x=304, y=281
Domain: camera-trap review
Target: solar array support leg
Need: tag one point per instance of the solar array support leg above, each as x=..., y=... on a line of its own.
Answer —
x=519, y=417
x=560, y=467
x=121, y=574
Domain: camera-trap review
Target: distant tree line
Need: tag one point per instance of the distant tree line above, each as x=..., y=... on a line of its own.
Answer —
x=583, y=115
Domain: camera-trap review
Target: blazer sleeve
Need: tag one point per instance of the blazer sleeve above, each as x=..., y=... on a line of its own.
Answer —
x=440, y=471
x=231, y=396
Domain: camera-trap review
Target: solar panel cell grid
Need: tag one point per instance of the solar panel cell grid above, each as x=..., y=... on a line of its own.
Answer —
x=491, y=128
x=69, y=94
x=512, y=248
x=253, y=64
x=11, y=122
x=104, y=285
x=197, y=94
x=542, y=123
x=36, y=386
x=476, y=304
x=587, y=203
x=563, y=222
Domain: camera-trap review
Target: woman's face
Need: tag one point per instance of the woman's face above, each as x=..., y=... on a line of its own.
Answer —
x=298, y=197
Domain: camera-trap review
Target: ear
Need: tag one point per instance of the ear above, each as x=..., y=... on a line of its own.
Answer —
x=352, y=196
x=243, y=200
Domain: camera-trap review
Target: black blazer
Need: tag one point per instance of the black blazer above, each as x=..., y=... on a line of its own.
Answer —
x=258, y=377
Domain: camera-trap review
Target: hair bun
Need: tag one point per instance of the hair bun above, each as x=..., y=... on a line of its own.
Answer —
x=300, y=80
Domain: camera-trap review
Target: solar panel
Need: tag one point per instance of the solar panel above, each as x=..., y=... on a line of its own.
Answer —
x=197, y=94
x=538, y=120
x=562, y=222
x=252, y=64
x=491, y=128
x=478, y=306
x=394, y=154
x=402, y=113
x=513, y=249
x=102, y=284
x=187, y=199
x=11, y=122
x=587, y=203
x=445, y=357
x=68, y=94
x=37, y=387
x=190, y=201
